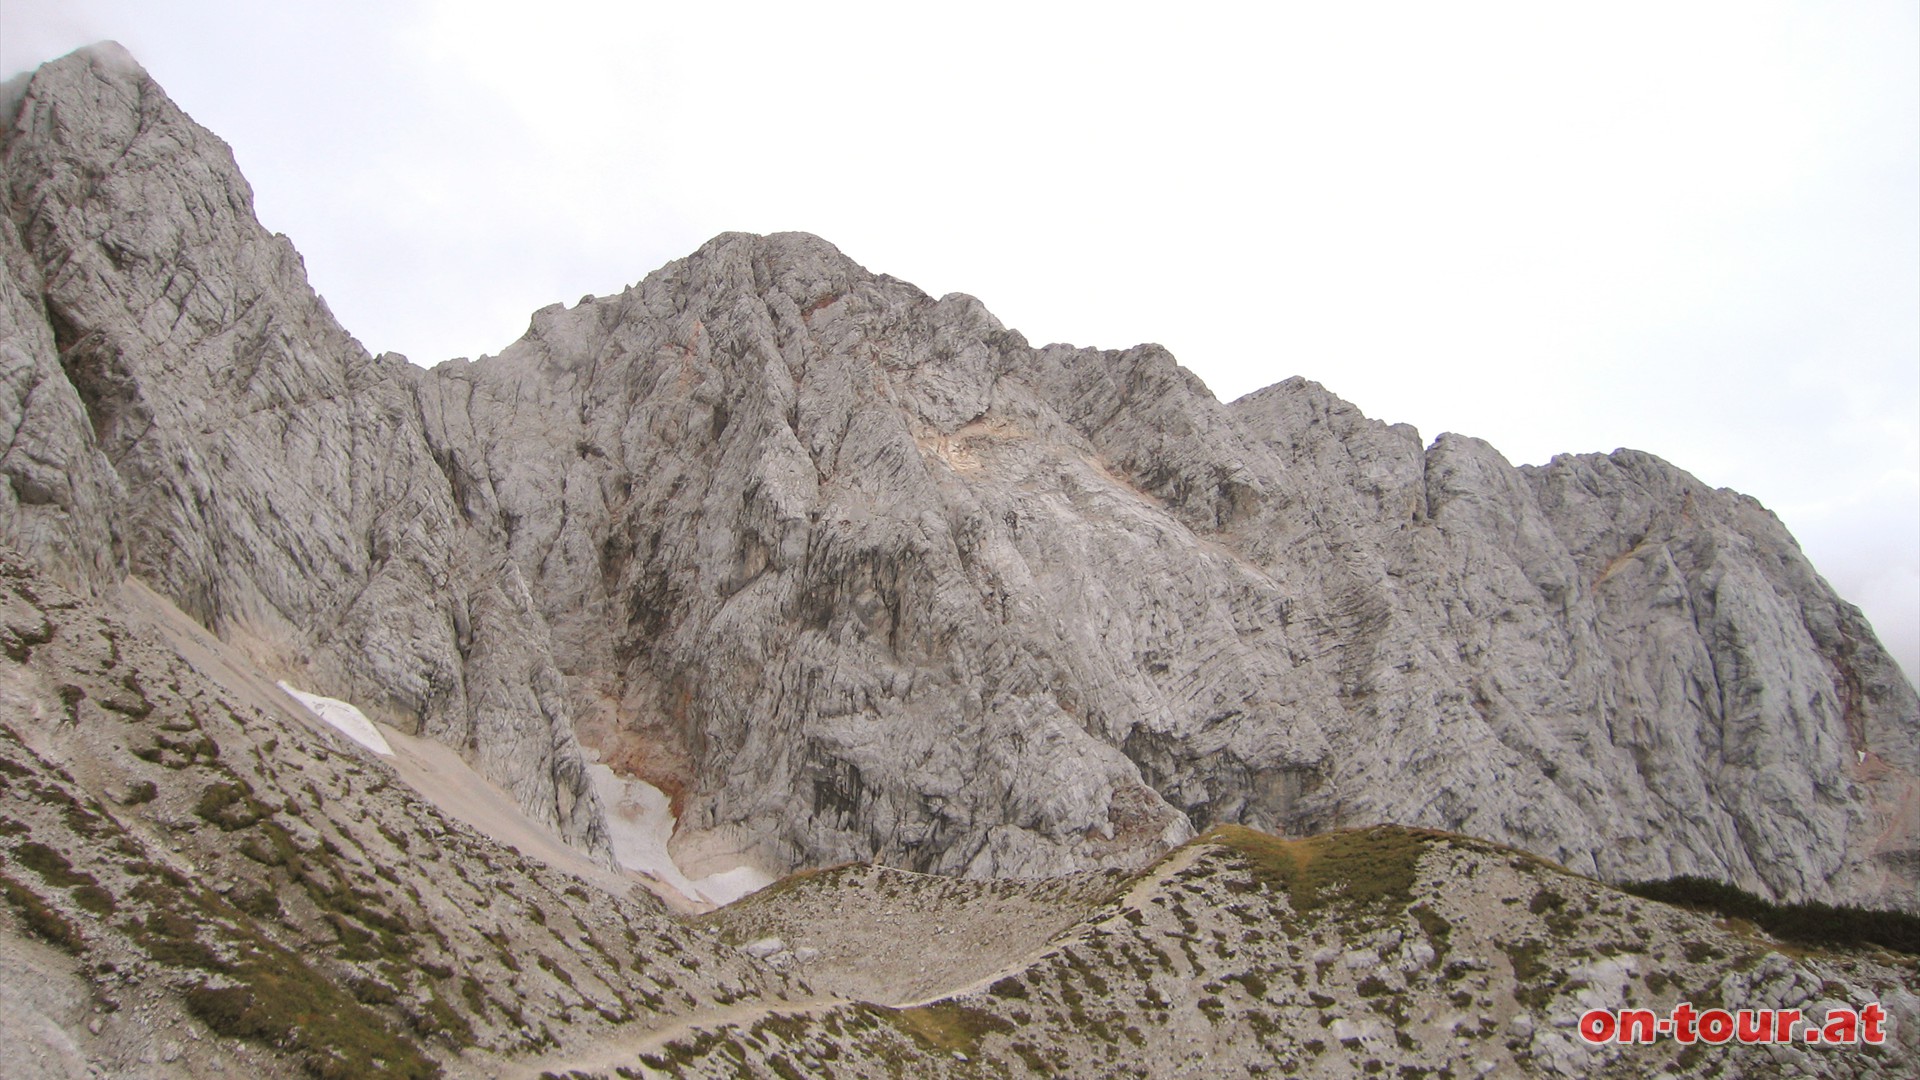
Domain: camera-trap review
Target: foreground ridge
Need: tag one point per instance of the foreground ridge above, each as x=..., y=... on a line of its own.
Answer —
x=1377, y=951
x=200, y=879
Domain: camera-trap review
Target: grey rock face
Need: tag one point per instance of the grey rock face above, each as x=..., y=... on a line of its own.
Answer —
x=853, y=572
x=184, y=397
x=861, y=573
x=728, y=514
x=61, y=497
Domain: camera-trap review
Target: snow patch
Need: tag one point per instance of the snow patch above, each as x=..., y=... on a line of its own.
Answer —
x=729, y=885
x=640, y=822
x=342, y=717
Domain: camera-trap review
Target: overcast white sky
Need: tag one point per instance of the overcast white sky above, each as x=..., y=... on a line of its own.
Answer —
x=1688, y=228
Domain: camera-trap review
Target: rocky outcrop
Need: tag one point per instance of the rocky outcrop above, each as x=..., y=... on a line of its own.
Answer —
x=853, y=572
x=62, y=497
x=190, y=411
x=862, y=574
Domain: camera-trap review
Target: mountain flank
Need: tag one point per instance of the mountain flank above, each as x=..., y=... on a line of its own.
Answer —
x=1110, y=729
x=201, y=880
x=854, y=573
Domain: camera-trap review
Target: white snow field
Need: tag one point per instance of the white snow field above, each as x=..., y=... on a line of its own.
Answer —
x=640, y=820
x=342, y=717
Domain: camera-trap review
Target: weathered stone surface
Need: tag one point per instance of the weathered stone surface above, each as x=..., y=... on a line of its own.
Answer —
x=61, y=497
x=1222, y=961
x=259, y=467
x=853, y=572
x=860, y=573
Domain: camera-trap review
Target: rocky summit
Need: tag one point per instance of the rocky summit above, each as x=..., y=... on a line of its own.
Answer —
x=770, y=564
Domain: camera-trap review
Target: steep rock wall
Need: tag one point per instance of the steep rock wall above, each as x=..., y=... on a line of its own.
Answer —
x=853, y=572
x=239, y=450
x=860, y=573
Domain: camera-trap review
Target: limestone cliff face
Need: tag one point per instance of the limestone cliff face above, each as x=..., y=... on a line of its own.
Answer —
x=859, y=573
x=187, y=409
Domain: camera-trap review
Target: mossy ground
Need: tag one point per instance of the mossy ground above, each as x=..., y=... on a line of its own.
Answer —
x=1362, y=869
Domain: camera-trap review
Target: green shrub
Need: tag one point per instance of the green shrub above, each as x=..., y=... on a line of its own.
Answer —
x=1363, y=868
x=49, y=864
x=274, y=998
x=230, y=806
x=40, y=919
x=1814, y=923
x=55, y=868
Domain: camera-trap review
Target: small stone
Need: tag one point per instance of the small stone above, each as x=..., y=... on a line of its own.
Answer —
x=764, y=947
x=1418, y=954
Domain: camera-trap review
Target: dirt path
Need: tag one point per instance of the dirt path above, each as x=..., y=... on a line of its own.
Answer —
x=1134, y=899
x=626, y=1049
x=444, y=778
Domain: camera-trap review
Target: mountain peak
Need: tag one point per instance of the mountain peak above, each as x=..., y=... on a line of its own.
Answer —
x=853, y=573
x=833, y=572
